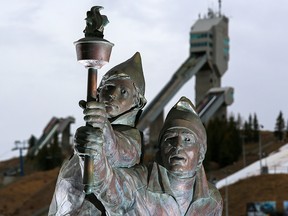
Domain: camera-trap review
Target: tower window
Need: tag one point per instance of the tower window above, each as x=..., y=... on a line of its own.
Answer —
x=226, y=42
x=199, y=44
x=198, y=36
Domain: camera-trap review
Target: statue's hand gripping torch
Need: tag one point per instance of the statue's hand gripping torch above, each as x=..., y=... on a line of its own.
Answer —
x=93, y=52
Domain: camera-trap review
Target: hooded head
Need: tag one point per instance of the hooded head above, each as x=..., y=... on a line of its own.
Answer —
x=130, y=69
x=125, y=77
x=183, y=116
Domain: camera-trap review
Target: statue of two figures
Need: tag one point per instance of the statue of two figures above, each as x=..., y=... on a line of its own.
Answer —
x=175, y=184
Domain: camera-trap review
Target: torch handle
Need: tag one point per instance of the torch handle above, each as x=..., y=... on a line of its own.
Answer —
x=92, y=84
x=88, y=163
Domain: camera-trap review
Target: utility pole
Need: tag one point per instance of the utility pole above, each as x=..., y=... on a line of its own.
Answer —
x=260, y=149
x=243, y=150
x=226, y=194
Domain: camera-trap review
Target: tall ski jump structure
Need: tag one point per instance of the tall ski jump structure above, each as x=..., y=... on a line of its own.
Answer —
x=207, y=61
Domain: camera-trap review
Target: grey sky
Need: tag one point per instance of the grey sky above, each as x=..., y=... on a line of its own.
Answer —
x=40, y=77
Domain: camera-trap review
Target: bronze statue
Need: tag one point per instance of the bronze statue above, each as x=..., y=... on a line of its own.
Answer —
x=120, y=99
x=176, y=185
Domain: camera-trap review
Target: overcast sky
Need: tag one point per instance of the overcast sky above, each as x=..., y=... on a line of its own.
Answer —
x=40, y=77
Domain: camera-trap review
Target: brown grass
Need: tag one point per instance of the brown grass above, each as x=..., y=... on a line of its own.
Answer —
x=28, y=194
x=256, y=189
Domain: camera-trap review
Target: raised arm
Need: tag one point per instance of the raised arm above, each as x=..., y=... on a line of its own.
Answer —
x=114, y=187
x=122, y=143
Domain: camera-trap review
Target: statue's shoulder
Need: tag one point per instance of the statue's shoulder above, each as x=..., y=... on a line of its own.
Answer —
x=215, y=195
x=70, y=168
x=122, y=127
x=136, y=171
x=126, y=129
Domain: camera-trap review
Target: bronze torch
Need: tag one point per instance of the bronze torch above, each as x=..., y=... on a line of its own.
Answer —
x=93, y=51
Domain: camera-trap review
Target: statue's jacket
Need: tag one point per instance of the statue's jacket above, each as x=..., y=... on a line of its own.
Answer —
x=69, y=198
x=146, y=191
x=138, y=190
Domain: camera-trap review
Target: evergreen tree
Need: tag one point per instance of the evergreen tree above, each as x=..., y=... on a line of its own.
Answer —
x=239, y=122
x=55, y=153
x=41, y=159
x=231, y=148
x=255, y=130
x=279, y=127
x=224, y=142
x=50, y=156
x=248, y=130
x=286, y=130
x=215, y=132
x=32, y=141
x=250, y=120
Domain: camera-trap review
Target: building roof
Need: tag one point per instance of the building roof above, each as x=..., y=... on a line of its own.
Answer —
x=205, y=24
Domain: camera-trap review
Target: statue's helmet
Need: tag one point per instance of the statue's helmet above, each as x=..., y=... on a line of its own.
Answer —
x=130, y=69
x=183, y=115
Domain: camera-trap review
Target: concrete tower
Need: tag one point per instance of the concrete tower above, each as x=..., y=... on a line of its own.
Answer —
x=209, y=36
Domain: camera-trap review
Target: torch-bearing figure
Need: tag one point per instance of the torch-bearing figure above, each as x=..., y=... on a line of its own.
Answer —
x=111, y=114
x=121, y=98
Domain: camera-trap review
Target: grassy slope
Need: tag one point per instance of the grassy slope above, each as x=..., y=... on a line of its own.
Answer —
x=33, y=193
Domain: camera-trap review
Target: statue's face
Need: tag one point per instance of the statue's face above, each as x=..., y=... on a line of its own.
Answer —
x=179, y=150
x=118, y=95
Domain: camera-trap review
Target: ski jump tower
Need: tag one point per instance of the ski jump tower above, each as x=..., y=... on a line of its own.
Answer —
x=209, y=36
x=207, y=61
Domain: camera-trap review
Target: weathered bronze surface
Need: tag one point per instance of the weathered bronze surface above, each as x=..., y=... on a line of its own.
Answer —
x=108, y=148
x=178, y=186
x=120, y=98
x=174, y=185
x=95, y=22
x=93, y=51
